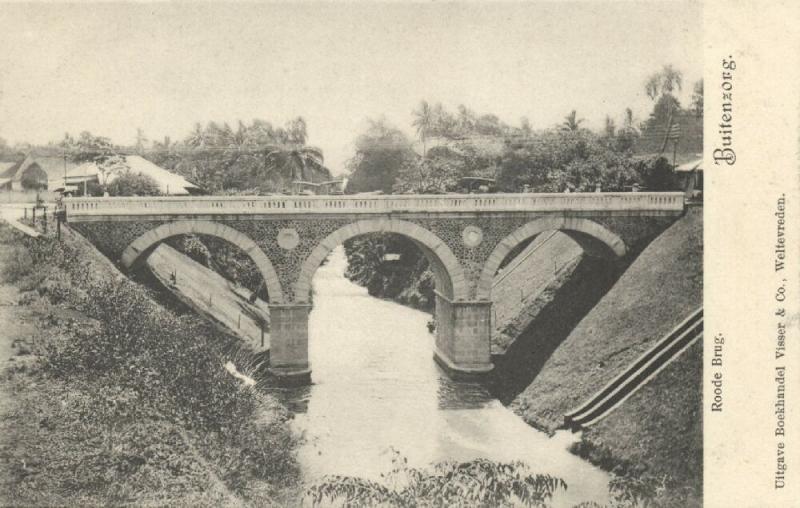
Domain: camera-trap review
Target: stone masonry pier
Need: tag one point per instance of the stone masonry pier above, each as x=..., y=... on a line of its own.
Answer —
x=464, y=237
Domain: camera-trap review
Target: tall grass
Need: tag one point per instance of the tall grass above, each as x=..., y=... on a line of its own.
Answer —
x=149, y=413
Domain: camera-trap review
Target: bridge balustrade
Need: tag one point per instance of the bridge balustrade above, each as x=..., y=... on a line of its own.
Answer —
x=661, y=201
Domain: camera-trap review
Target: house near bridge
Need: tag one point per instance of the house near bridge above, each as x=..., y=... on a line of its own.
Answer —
x=33, y=172
x=169, y=184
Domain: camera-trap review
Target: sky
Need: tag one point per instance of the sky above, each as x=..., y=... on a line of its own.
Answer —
x=162, y=67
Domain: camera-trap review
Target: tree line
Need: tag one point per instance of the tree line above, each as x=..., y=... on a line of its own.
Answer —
x=565, y=157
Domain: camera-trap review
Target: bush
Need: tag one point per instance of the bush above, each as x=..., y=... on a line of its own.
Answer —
x=16, y=264
x=479, y=482
x=407, y=280
x=657, y=174
x=133, y=184
x=147, y=396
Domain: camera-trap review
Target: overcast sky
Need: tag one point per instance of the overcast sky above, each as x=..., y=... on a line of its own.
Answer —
x=162, y=67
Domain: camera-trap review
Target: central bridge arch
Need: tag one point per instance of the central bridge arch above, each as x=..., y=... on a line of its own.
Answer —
x=450, y=278
x=461, y=347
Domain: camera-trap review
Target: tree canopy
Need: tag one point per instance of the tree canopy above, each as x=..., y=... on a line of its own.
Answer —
x=133, y=184
x=381, y=152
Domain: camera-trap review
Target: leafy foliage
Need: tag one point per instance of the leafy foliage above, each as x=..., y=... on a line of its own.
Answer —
x=381, y=152
x=656, y=174
x=253, y=157
x=556, y=160
x=133, y=184
x=433, y=175
x=407, y=279
x=152, y=408
x=89, y=148
x=697, y=98
x=479, y=483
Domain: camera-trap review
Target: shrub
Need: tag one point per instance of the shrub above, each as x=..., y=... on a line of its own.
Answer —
x=479, y=482
x=657, y=174
x=16, y=264
x=139, y=377
x=133, y=184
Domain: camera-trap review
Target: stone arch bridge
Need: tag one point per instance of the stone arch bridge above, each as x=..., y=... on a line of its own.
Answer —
x=464, y=237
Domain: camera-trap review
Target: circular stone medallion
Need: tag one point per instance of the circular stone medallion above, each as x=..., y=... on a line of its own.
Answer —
x=288, y=238
x=472, y=236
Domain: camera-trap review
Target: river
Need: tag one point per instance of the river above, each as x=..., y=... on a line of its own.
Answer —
x=376, y=389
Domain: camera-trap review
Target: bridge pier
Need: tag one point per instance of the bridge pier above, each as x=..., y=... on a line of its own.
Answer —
x=463, y=333
x=288, y=355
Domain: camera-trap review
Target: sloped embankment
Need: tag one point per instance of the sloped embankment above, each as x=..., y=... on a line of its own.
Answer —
x=517, y=290
x=660, y=289
x=659, y=427
x=122, y=402
x=218, y=300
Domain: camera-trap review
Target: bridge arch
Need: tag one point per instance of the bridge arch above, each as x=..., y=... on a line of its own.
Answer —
x=591, y=236
x=450, y=277
x=203, y=227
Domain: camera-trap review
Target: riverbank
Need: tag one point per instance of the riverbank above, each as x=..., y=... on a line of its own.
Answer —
x=585, y=328
x=211, y=296
x=112, y=399
x=658, y=431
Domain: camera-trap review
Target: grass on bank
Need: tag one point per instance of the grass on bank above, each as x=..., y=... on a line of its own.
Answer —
x=660, y=289
x=673, y=404
x=123, y=402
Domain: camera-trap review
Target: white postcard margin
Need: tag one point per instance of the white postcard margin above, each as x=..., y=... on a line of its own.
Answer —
x=748, y=461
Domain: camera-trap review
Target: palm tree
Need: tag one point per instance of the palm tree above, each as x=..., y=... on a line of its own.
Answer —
x=525, y=126
x=423, y=121
x=571, y=122
x=296, y=130
x=697, y=98
x=671, y=79
x=653, y=86
x=664, y=82
x=610, y=128
x=197, y=138
x=629, y=119
x=296, y=162
x=466, y=119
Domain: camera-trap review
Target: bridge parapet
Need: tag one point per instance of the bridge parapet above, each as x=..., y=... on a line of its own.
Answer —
x=665, y=202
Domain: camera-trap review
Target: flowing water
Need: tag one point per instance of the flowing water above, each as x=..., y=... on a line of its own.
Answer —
x=376, y=389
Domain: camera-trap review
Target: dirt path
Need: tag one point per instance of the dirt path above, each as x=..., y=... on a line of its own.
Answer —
x=15, y=326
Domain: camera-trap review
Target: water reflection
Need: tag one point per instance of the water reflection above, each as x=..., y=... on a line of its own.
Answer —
x=376, y=388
